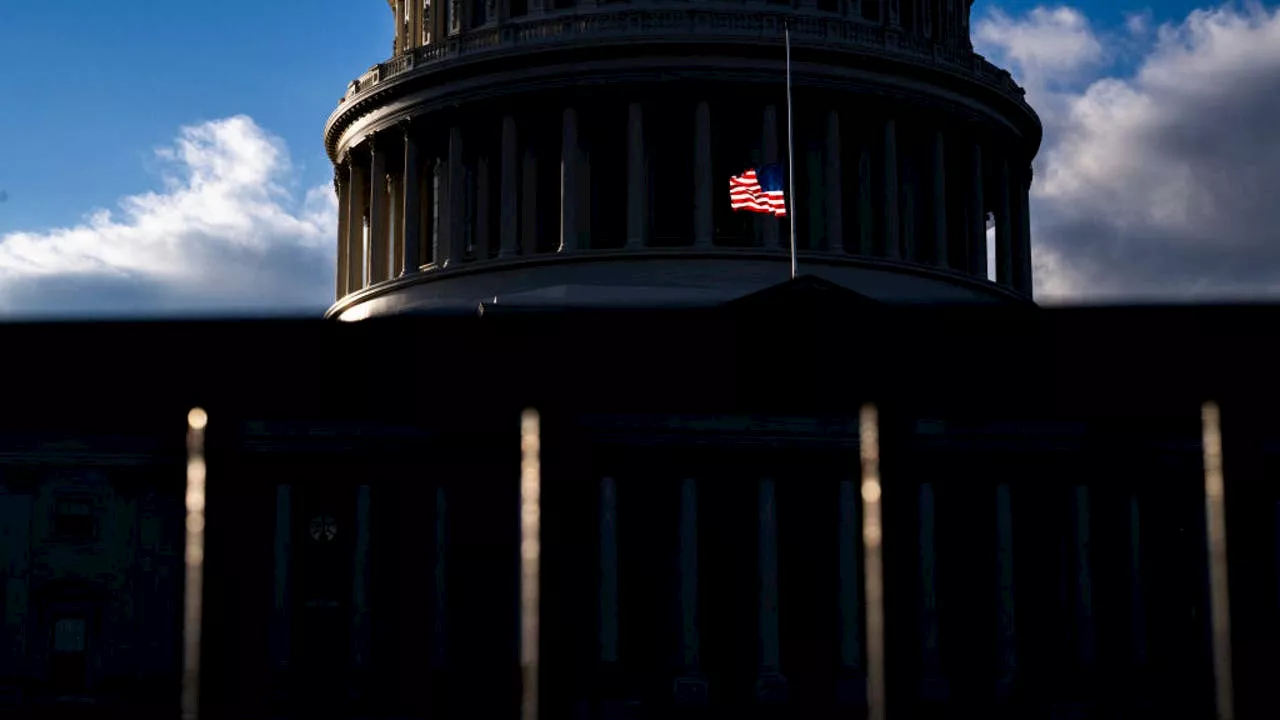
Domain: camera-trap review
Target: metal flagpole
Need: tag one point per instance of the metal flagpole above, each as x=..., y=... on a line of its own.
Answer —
x=791, y=156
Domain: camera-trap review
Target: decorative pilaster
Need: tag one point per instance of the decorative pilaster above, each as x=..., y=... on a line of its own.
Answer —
x=977, y=216
x=361, y=638
x=852, y=683
x=769, y=145
x=771, y=686
x=377, y=260
x=689, y=687
x=703, y=179
x=1024, y=268
x=933, y=684
x=280, y=615
x=570, y=164
x=939, y=202
x=1006, y=628
x=1004, y=227
x=637, y=179
x=892, y=248
x=355, y=224
x=509, y=218
x=456, y=195
x=832, y=184
x=412, y=207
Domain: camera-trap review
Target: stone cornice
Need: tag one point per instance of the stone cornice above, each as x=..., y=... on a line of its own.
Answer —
x=430, y=273
x=591, y=27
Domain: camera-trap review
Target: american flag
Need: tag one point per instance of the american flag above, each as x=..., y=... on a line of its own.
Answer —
x=759, y=190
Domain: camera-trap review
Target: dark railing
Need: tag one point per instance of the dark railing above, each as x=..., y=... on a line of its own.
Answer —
x=911, y=511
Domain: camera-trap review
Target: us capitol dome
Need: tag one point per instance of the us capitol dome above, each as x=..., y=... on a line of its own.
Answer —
x=553, y=153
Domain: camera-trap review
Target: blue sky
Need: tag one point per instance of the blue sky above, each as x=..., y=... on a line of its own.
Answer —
x=204, y=119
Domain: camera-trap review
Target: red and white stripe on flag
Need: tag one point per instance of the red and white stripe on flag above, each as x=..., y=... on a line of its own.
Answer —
x=745, y=193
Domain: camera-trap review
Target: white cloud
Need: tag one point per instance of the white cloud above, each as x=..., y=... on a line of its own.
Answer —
x=224, y=235
x=1158, y=184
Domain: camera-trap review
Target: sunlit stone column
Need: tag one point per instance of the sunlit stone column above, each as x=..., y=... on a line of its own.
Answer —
x=637, y=179
x=852, y=683
x=939, y=202
x=510, y=215
x=395, y=206
x=355, y=223
x=412, y=197
x=1006, y=628
x=866, y=221
x=832, y=183
x=703, y=179
x=771, y=687
x=361, y=637
x=529, y=203
x=570, y=165
x=769, y=143
x=977, y=215
x=401, y=41
x=1004, y=227
x=280, y=615
x=933, y=684
x=439, y=204
x=439, y=606
x=341, y=188
x=377, y=212
x=690, y=688
x=457, y=194
x=892, y=247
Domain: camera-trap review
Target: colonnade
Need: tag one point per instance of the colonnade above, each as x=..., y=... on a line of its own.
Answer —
x=434, y=193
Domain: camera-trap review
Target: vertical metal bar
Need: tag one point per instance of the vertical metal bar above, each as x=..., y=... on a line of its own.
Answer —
x=197, y=420
x=872, y=534
x=791, y=156
x=530, y=552
x=1219, y=601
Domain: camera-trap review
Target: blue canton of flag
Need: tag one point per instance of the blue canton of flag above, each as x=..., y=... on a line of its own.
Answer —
x=759, y=190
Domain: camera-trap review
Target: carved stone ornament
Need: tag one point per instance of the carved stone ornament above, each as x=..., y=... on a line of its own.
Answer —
x=323, y=528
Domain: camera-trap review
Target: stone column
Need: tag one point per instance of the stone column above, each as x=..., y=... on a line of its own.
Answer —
x=852, y=683
x=832, y=183
x=355, y=224
x=1024, y=269
x=608, y=591
x=771, y=687
x=439, y=606
x=396, y=207
x=377, y=212
x=866, y=222
x=510, y=191
x=412, y=208
x=1004, y=227
x=529, y=203
x=940, y=254
x=977, y=230
x=361, y=636
x=703, y=179
x=484, y=233
x=401, y=40
x=570, y=163
x=280, y=609
x=769, y=145
x=341, y=187
x=689, y=687
x=439, y=203
x=892, y=248
x=1006, y=628
x=457, y=195
x=907, y=198
x=933, y=687
x=637, y=179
